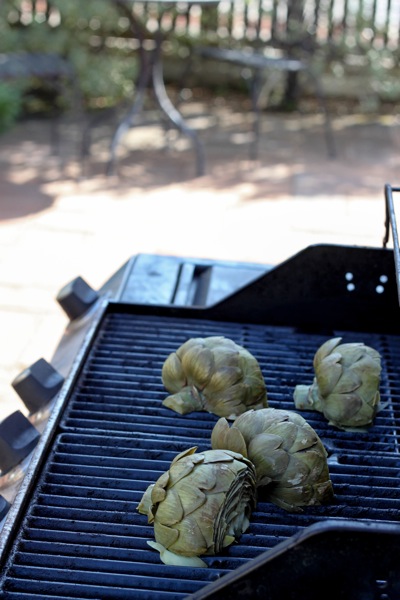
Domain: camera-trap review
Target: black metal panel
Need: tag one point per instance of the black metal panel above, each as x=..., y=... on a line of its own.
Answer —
x=82, y=537
x=336, y=559
x=321, y=288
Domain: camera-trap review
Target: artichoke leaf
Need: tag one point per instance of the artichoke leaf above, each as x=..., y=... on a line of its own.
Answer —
x=223, y=436
x=266, y=453
x=285, y=431
x=191, y=498
x=299, y=469
x=369, y=389
x=198, y=363
x=170, y=513
x=306, y=438
x=224, y=377
x=205, y=477
x=350, y=383
x=248, y=426
x=165, y=535
x=158, y=491
x=292, y=499
x=325, y=349
x=185, y=401
x=351, y=353
x=180, y=470
x=329, y=372
x=186, y=346
x=193, y=539
x=230, y=456
x=215, y=341
x=228, y=540
x=340, y=408
x=145, y=503
x=188, y=452
x=172, y=374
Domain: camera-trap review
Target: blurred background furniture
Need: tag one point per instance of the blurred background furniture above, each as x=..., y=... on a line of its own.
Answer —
x=151, y=73
x=286, y=46
x=59, y=74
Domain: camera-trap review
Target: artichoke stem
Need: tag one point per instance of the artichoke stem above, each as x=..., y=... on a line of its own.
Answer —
x=302, y=397
x=170, y=558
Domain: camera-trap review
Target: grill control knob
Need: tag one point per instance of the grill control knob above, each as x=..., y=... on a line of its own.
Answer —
x=18, y=437
x=37, y=385
x=76, y=298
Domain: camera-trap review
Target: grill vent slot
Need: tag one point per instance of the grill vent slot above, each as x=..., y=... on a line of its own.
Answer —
x=82, y=537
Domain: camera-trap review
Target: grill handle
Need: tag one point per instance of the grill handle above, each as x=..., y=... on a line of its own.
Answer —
x=347, y=558
x=390, y=221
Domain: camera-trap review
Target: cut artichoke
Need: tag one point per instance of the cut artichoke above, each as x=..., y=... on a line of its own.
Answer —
x=213, y=374
x=289, y=457
x=202, y=504
x=346, y=385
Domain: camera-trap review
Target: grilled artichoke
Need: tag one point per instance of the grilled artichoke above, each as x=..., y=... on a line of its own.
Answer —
x=213, y=374
x=202, y=504
x=346, y=385
x=289, y=457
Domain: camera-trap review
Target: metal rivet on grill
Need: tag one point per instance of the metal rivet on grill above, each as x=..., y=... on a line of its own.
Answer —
x=76, y=297
x=37, y=385
x=18, y=437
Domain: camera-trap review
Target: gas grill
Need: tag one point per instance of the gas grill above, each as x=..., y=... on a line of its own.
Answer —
x=73, y=530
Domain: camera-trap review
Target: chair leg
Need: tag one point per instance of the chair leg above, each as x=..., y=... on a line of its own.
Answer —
x=330, y=141
x=172, y=113
x=136, y=107
x=256, y=86
x=187, y=69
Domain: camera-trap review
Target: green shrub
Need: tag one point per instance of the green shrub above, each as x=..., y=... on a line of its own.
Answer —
x=80, y=32
x=10, y=105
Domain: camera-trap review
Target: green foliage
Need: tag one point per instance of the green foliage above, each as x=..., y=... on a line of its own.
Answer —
x=92, y=35
x=10, y=105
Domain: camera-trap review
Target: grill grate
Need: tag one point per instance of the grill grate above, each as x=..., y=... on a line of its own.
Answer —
x=82, y=537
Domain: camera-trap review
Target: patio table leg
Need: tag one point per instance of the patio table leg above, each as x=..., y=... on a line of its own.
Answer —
x=137, y=106
x=151, y=68
x=172, y=112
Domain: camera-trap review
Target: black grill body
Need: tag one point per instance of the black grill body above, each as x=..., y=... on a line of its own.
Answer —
x=77, y=533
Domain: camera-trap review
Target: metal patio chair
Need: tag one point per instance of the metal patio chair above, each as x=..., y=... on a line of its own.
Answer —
x=60, y=75
x=289, y=50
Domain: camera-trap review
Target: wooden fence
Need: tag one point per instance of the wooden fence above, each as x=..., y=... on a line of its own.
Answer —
x=342, y=25
x=342, y=22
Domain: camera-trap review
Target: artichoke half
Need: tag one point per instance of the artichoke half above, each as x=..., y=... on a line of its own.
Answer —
x=289, y=457
x=346, y=385
x=213, y=374
x=201, y=505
